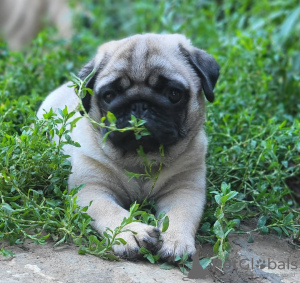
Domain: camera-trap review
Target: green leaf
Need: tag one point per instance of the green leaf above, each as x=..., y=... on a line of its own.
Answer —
x=205, y=262
x=224, y=188
x=149, y=256
x=229, y=196
x=132, y=175
x=89, y=76
x=188, y=264
x=250, y=238
x=62, y=240
x=121, y=240
x=278, y=230
x=133, y=121
x=219, y=214
x=184, y=257
x=6, y=253
x=128, y=230
x=8, y=155
x=167, y=266
x=144, y=251
x=285, y=231
x=65, y=111
x=228, y=231
x=111, y=118
x=165, y=223
x=289, y=23
x=74, y=122
x=218, y=199
x=110, y=257
x=90, y=91
x=282, y=124
x=60, y=112
x=205, y=227
x=82, y=250
x=218, y=230
x=236, y=207
x=264, y=230
x=145, y=132
x=93, y=239
x=227, y=247
x=216, y=247
x=261, y=221
x=161, y=215
x=234, y=223
x=8, y=210
x=105, y=138
x=288, y=218
x=134, y=207
x=156, y=257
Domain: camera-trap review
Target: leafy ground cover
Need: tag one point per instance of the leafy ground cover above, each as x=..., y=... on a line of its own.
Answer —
x=253, y=125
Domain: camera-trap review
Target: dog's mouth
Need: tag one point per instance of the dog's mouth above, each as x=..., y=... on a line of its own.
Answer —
x=163, y=124
x=127, y=142
x=160, y=134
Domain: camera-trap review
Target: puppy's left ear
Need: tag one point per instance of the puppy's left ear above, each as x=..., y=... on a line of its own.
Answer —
x=206, y=68
x=83, y=73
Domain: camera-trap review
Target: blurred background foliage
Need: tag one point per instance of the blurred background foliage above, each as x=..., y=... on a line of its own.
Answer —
x=263, y=33
x=253, y=125
x=255, y=42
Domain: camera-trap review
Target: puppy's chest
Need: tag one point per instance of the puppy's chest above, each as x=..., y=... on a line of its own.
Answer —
x=139, y=189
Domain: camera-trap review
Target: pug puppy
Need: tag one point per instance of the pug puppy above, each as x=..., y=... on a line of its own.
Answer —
x=161, y=79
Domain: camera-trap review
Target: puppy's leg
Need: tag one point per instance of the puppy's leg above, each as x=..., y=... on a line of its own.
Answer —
x=106, y=212
x=184, y=206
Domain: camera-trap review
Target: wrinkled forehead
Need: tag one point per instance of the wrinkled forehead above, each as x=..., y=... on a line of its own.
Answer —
x=141, y=60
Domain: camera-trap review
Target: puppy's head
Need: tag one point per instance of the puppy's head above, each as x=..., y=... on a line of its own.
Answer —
x=158, y=78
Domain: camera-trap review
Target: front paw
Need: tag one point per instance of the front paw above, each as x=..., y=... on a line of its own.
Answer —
x=176, y=245
x=147, y=237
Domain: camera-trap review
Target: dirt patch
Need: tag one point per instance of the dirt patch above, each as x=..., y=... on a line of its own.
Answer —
x=268, y=259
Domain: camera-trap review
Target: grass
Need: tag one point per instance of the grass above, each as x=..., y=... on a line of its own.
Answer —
x=253, y=125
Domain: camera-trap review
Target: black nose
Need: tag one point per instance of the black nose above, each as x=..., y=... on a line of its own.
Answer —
x=139, y=108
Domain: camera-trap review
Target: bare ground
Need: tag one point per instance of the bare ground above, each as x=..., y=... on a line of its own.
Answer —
x=268, y=259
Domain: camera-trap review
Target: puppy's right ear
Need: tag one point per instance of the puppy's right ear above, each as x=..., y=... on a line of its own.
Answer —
x=83, y=73
x=206, y=68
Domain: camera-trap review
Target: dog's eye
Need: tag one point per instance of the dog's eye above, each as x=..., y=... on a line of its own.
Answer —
x=108, y=97
x=174, y=95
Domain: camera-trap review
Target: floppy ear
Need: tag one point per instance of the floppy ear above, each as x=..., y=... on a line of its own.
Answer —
x=83, y=73
x=206, y=68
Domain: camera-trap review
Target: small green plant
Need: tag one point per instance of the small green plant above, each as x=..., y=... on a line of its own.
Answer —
x=71, y=223
x=136, y=212
x=282, y=225
x=222, y=226
x=26, y=211
x=6, y=253
x=183, y=262
x=103, y=248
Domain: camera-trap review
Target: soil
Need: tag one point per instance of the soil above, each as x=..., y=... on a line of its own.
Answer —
x=268, y=259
